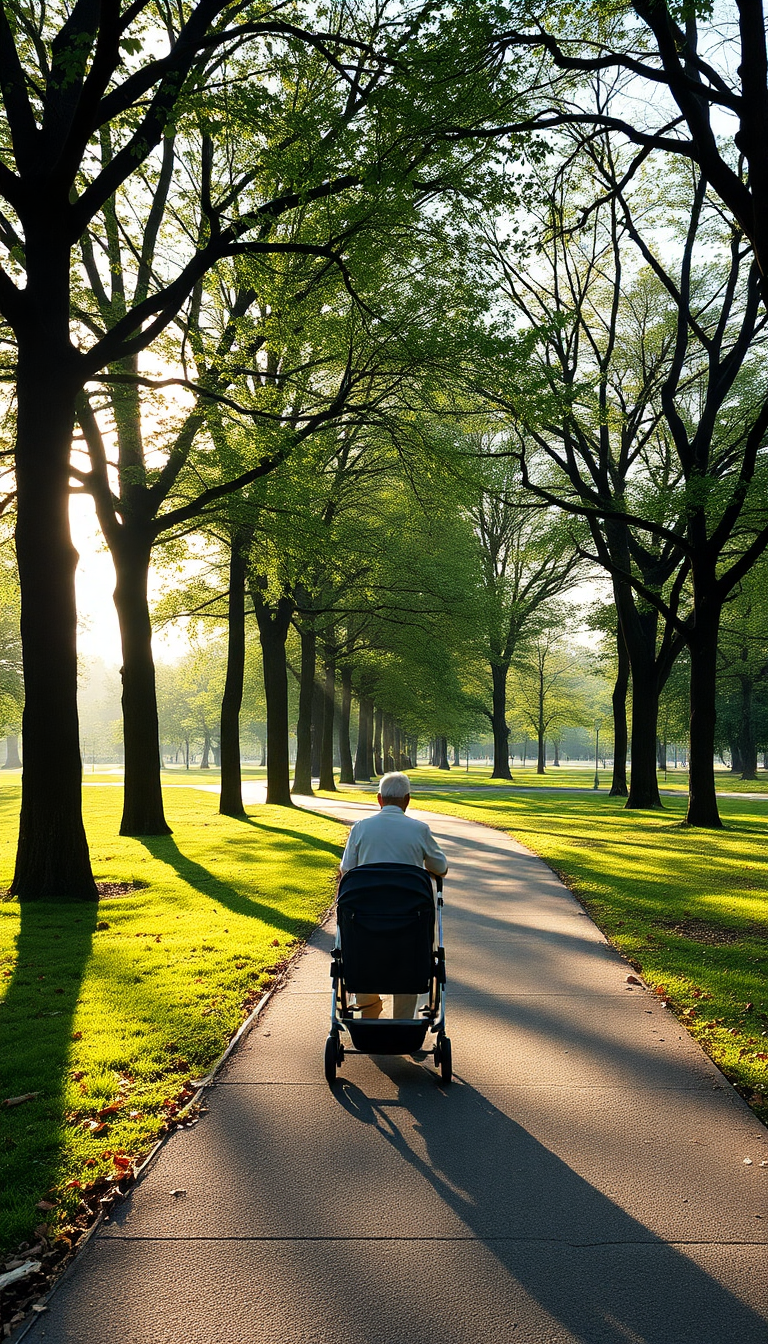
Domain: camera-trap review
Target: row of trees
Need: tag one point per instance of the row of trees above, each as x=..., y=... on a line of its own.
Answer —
x=398, y=320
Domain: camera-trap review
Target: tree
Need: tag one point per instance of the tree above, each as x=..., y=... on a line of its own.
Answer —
x=743, y=667
x=522, y=563
x=97, y=101
x=548, y=687
x=684, y=525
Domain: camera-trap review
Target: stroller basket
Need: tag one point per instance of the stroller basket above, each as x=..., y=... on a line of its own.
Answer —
x=385, y=944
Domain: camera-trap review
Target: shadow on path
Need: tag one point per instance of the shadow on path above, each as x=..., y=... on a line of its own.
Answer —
x=588, y=1264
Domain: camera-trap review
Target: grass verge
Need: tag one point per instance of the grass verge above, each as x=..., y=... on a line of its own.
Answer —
x=107, y=1013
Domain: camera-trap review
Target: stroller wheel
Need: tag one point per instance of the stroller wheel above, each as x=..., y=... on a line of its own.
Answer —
x=443, y=1057
x=332, y=1060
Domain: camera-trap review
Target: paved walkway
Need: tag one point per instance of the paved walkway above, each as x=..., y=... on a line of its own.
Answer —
x=582, y=1180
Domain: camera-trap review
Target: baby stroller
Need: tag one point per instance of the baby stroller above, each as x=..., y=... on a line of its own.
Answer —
x=385, y=944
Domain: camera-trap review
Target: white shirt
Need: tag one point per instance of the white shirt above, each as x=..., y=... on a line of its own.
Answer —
x=392, y=837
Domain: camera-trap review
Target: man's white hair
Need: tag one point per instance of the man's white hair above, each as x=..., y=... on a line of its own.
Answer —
x=395, y=785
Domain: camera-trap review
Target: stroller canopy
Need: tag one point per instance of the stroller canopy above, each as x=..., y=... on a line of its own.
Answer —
x=386, y=914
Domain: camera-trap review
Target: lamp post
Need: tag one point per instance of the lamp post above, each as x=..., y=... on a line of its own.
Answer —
x=596, y=784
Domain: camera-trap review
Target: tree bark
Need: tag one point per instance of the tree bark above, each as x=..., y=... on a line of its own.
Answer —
x=318, y=709
x=273, y=622
x=618, y=787
x=326, y=777
x=12, y=760
x=442, y=761
x=346, y=769
x=52, y=860
x=378, y=759
x=362, y=768
x=231, y=796
x=702, y=796
x=302, y=774
x=205, y=763
x=747, y=739
x=501, y=768
x=364, y=753
x=388, y=737
x=143, y=812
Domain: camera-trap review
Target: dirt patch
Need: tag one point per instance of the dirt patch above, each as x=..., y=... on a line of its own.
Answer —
x=108, y=890
x=714, y=935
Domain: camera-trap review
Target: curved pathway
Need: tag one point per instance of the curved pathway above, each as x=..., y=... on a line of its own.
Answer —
x=584, y=1179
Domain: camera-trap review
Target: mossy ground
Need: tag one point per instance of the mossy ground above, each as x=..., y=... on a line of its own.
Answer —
x=687, y=907
x=122, y=1016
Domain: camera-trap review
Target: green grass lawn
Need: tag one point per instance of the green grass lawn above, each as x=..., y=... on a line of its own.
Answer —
x=688, y=908
x=108, y=1012
x=571, y=775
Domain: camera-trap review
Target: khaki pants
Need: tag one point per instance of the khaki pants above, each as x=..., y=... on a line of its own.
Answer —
x=403, y=1005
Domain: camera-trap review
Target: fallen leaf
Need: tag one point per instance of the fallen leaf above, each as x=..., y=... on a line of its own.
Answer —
x=178, y=1192
x=16, y=1101
x=39, y=1306
x=77, y=1075
x=102, y=924
x=747, y=1162
x=109, y=1110
x=276, y=943
x=77, y=1035
x=73, y=1185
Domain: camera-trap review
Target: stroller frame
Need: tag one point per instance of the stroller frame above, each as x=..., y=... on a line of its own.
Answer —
x=389, y=1036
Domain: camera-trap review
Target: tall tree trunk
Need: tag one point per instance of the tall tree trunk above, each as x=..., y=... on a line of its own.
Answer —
x=302, y=774
x=318, y=709
x=362, y=759
x=639, y=626
x=378, y=759
x=620, y=737
x=702, y=796
x=397, y=746
x=205, y=763
x=442, y=754
x=12, y=760
x=456, y=757
x=142, y=790
x=556, y=746
x=231, y=796
x=501, y=768
x=346, y=770
x=273, y=624
x=734, y=747
x=747, y=739
x=52, y=860
x=661, y=754
x=369, y=736
x=326, y=777
x=388, y=736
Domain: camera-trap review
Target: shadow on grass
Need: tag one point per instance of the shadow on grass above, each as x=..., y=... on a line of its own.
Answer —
x=36, y=1018
x=203, y=880
x=312, y=841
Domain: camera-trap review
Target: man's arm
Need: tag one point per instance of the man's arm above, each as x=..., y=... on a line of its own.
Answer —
x=349, y=857
x=434, y=858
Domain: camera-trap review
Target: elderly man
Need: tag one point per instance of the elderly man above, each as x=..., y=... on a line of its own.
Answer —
x=391, y=837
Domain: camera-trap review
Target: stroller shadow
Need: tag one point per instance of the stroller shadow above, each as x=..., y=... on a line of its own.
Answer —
x=559, y=1242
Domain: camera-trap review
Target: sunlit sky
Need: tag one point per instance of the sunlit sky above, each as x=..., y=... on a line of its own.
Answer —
x=98, y=629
